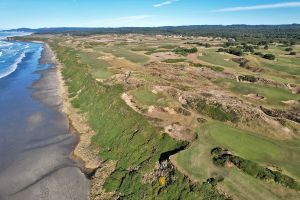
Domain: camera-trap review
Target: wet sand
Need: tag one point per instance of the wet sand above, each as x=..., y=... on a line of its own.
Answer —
x=35, y=137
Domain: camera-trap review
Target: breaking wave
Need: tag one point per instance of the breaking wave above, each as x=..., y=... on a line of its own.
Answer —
x=13, y=67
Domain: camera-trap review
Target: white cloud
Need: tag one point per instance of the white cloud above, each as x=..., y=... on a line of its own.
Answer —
x=165, y=3
x=260, y=7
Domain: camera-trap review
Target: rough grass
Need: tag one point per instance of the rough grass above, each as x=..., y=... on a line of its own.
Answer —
x=214, y=68
x=124, y=136
x=214, y=111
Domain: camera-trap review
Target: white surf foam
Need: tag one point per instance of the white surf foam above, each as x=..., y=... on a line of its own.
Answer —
x=13, y=67
x=5, y=44
x=1, y=53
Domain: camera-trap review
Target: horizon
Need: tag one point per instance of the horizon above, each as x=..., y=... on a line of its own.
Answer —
x=18, y=28
x=154, y=13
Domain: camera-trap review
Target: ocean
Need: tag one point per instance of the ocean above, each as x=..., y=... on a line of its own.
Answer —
x=35, y=138
x=11, y=53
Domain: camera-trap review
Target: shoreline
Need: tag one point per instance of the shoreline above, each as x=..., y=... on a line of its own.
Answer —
x=35, y=159
x=83, y=152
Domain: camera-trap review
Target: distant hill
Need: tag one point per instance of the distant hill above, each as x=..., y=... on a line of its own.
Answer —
x=251, y=32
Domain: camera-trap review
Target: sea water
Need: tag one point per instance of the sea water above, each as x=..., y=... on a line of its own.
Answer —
x=11, y=53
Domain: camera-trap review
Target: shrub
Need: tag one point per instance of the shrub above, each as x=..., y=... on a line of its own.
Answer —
x=248, y=48
x=216, y=151
x=174, y=60
x=221, y=160
x=235, y=51
x=269, y=56
x=215, y=111
x=241, y=61
x=248, y=78
x=293, y=53
x=185, y=51
x=285, y=180
x=214, y=68
x=261, y=43
x=289, y=49
x=207, y=45
x=253, y=169
x=265, y=174
x=212, y=181
x=258, y=54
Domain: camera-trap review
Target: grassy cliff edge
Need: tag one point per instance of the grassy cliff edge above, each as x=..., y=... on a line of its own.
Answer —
x=124, y=137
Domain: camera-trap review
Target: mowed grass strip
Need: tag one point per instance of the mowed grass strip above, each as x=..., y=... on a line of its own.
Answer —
x=216, y=58
x=274, y=96
x=98, y=66
x=283, y=65
x=256, y=148
x=122, y=52
x=148, y=98
x=197, y=163
x=243, y=143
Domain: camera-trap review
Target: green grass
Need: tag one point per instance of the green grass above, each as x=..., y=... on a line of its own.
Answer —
x=242, y=143
x=168, y=46
x=283, y=63
x=148, y=98
x=267, y=151
x=274, y=96
x=216, y=58
x=124, y=53
x=142, y=48
x=197, y=162
x=290, y=65
x=156, y=51
x=174, y=60
x=98, y=66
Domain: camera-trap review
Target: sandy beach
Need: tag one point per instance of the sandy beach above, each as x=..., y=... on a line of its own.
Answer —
x=83, y=151
x=36, y=162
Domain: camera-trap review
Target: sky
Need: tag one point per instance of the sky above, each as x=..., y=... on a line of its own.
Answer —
x=143, y=13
